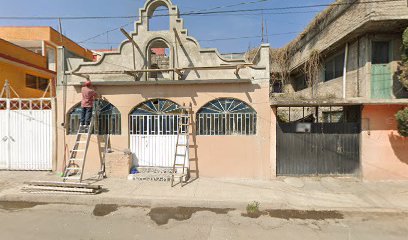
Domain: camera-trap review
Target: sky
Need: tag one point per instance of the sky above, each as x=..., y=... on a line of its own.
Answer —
x=210, y=30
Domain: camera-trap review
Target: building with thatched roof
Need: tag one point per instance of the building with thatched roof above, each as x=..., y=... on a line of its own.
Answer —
x=339, y=80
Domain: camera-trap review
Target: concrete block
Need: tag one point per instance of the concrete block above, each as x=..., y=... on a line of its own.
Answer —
x=118, y=165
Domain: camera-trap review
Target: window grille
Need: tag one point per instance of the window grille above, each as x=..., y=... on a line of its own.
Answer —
x=162, y=125
x=156, y=117
x=226, y=117
x=109, y=119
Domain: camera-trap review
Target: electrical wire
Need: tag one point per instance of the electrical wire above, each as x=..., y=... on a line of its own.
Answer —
x=117, y=28
x=197, y=13
x=218, y=39
x=266, y=13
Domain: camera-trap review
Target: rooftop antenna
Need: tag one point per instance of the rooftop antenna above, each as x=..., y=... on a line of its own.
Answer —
x=267, y=36
x=60, y=31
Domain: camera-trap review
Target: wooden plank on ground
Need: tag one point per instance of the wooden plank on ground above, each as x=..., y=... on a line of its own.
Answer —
x=65, y=184
x=61, y=189
x=51, y=190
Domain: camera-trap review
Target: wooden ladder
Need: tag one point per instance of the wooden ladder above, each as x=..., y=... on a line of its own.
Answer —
x=182, y=148
x=75, y=168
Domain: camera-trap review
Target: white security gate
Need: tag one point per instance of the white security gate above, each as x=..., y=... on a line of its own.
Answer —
x=25, y=134
x=153, y=140
x=153, y=134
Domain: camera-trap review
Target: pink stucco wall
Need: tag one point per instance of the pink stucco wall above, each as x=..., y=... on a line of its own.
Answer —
x=384, y=153
x=212, y=156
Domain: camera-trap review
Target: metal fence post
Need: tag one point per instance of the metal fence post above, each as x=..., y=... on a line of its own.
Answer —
x=8, y=133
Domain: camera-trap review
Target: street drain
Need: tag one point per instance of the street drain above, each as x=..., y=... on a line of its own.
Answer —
x=101, y=210
x=15, y=205
x=162, y=215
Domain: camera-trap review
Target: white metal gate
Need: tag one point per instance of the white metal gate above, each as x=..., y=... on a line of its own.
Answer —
x=25, y=134
x=153, y=140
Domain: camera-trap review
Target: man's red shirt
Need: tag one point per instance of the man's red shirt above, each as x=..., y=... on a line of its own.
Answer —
x=88, y=97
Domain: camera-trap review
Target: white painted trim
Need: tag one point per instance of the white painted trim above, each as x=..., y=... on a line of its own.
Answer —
x=345, y=71
x=43, y=49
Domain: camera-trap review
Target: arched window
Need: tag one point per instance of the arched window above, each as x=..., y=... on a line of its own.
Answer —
x=155, y=117
x=159, y=57
x=226, y=116
x=109, y=119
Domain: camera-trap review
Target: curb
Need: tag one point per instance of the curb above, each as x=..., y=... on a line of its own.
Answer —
x=171, y=202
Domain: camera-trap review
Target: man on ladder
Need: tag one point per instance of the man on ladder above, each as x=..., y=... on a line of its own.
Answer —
x=75, y=167
x=88, y=98
x=73, y=173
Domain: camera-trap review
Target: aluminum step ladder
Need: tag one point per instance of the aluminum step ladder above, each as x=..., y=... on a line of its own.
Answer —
x=102, y=171
x=75, y=168
x=180, y=170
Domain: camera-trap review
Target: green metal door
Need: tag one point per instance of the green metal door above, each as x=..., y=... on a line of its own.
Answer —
x=381, y=78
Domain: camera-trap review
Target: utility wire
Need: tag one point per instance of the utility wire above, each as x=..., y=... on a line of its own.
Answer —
x=117, y=28
x=274, y=13
x=195, y=13
x=234, y=5
x=101, y=34
x=205, y=13
x=218, y=39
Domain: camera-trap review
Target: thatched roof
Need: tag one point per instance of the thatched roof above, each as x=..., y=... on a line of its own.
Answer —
x=251, y=54
x=320, y=21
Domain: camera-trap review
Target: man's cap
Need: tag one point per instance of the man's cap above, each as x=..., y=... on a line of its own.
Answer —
x=87, y=83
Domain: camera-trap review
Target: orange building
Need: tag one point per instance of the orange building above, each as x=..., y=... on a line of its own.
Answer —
x=28, y=58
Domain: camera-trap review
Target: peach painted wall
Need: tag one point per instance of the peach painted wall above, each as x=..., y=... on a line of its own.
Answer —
x=214, y=156
x=384, y=154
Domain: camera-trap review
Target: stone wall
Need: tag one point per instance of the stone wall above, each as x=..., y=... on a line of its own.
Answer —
x=358, y=78
x=342, y=25
x=376, y=21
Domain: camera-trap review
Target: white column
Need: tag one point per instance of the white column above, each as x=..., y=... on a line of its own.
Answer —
x=345, y=71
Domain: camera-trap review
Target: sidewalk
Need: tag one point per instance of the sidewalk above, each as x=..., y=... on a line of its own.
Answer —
x=343, y=194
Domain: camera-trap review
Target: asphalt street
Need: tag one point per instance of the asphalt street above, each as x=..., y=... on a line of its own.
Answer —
x=24, y=220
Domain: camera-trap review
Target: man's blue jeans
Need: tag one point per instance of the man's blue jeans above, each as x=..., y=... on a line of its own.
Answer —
x=86, y=115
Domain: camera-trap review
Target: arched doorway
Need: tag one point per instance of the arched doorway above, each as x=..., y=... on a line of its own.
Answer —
x=153, y=133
